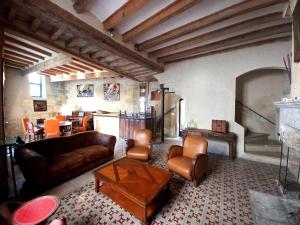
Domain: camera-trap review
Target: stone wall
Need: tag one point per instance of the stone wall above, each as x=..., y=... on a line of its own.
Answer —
x=129, y=96
x=19, y=103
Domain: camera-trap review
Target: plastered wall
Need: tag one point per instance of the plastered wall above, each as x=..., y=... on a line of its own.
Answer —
x=258, y=90
x=208, y=84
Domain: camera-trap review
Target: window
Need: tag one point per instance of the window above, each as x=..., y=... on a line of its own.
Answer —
x=37, y=85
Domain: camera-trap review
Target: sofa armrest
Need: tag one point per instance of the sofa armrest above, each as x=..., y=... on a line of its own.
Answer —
x=129, y=144
x=200, y=165
x=175, y=151
x=33, y=166
x=107, y=140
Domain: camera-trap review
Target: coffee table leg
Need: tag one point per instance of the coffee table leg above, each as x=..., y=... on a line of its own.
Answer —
x=145, y=219
x=97, y=185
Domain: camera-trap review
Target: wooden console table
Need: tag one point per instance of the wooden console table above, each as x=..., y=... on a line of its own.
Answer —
x=230, y=138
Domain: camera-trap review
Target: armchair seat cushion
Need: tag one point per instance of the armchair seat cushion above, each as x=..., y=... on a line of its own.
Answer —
x=139, y=153
x=181, y=165
x=93, y=152
x=66, y=162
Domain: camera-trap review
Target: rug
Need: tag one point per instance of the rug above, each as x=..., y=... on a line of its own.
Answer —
x=222, y=198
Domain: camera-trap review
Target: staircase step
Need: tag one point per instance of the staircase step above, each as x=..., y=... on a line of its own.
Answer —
x=256, y=137
x=272, y=150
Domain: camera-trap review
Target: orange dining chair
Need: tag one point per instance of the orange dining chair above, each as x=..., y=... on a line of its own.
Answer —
x=25, y=121
x=61, y=118
x=84, y=124
x=32, y=131
x=51, y=128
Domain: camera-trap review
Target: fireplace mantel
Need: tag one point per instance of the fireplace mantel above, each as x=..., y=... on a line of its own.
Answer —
x=288, y=114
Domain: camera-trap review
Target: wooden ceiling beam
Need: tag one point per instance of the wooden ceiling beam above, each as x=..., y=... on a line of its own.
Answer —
x=16, y=63
x=123, y=12
x=12, y=14
x=219, y=16
x=166, y=13
x=73, y=68
x=7, y=52
x=21, y=29
x=246, y=24
x=80, y=5
x=88, y=49
x=25, y=45
x=88, y=64
x=50, y=63
x=22, y=51
x=47, y=73
x=53, y=13
x=59, y=70
x=66, y=70
x=35, y=24
x=73, y=42
x=261, y=33
x=79, y=66
x=14, y=66
x=286, y=37
x=58, y=33
x=15, y=59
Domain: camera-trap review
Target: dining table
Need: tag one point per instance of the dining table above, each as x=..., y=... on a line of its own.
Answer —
x=65, y=127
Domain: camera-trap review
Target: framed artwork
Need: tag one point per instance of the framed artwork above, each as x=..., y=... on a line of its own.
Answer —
x=85, y=90
x=111, y=91
x=39, y=105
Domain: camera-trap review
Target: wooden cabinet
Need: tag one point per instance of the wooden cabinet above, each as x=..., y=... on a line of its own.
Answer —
x=129, y=124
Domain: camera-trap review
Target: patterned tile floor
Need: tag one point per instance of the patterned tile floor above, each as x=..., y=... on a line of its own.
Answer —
x=223, y=198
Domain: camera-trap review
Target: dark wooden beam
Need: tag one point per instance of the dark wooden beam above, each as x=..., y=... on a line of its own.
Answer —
x=240, y=26
x=166, y=13
x=73, y=42
x=79, y=66
x=227, y=13
x=35, y=24
x=16, y=63
x=2, y=131
x=22, y=51
x=261, y=33
x=12, y=14
x=80, y=5
x=14, y=66
x=51, y=12
x=7, y=52
x=58, y=33
x=73, y=68
x=25, y=45
x=124, y=11
x=240, y=46
x=15, y=59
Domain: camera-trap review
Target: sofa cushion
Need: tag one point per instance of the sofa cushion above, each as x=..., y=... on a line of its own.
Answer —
x=181, y=165
x=93, y=152
x=66, y=162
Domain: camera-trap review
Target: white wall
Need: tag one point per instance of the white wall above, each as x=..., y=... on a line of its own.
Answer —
x=208, y=83
x=258, y=90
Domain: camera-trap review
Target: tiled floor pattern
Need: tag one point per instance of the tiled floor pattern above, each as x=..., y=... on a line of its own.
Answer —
x=223, y=198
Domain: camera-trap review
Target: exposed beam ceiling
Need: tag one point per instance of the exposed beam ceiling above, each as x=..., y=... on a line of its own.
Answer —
x=211, y=19
x=285, y=28
x=124, y=11
x=246, y=24
x=166, y=13
x=80, y=5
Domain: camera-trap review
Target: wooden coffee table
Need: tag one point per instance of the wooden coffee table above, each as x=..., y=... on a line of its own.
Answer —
x=137, y=187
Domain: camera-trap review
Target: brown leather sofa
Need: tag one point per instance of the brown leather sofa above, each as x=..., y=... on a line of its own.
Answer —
x=189, y=161
x=48, y=162
x=140, y=146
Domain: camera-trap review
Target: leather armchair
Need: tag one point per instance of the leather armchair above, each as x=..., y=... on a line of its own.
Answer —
x=140, y=146
x=189, y=161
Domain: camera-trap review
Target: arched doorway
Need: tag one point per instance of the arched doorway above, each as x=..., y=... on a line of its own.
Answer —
x=254, y=110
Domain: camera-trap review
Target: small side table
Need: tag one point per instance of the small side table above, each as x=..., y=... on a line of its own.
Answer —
x=36, y=210
x=9, y=144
